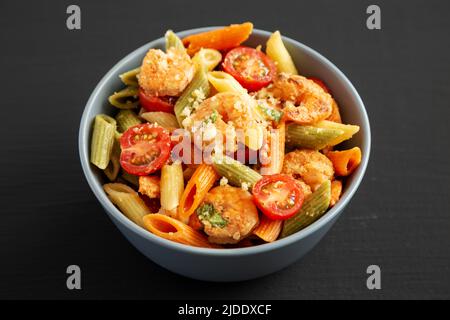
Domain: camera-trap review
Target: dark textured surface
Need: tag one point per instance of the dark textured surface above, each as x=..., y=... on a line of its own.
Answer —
x=399, y=218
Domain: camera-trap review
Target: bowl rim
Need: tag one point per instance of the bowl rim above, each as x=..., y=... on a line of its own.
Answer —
x=112, y=211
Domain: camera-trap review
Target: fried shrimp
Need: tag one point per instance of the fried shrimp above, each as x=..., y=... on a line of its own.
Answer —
x=225, y=113
x=306, y=189
x=165, y=74
x=305, y=101
x=228, y=214
x=311, y=166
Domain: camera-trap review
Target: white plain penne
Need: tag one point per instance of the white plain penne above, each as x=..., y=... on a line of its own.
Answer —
x=171, y=186
x=278, y=53
x=224, y=82
x=208, y=58
x=163, y=119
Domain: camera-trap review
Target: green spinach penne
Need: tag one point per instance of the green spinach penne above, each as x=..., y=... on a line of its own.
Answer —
x=163, y=119
x=173, y=41
x=129, y=78
x=127, y=119
x=193, y=95
x=102, y=142
x=237, y=173
x=312, y=209
x=310, y=137
x=127, y=98
x=113, y=168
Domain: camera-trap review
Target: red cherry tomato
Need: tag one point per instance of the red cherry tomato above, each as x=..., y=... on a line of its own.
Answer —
x=145, y=148
x=278, y=196
x=320, y=83
x=250, y=67
x=154, y=103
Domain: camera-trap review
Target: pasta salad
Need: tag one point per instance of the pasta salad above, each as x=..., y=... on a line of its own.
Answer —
x=219, y=145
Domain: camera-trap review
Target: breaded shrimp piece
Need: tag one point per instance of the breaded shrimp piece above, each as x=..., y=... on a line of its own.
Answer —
x=165, y=74
x=225, y=112
x=304, y=187
x=305, y=101
x=149, y=185
x=311, y=166
x=237, y=210
x=335, y=115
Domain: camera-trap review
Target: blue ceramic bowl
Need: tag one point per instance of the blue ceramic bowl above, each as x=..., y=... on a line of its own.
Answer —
x=229, y=264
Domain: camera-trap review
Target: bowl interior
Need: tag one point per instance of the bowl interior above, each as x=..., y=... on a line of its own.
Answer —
x=309, y=62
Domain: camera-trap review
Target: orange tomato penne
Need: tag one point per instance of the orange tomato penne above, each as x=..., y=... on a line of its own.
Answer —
x=268, y=229
x=276, y=151
x=336, y=191
x=346, y=161
x=219, y=39
x=174, y=230
x=197, y=187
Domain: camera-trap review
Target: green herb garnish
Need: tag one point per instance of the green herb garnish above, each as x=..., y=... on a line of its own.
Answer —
x=212, y=118
x=207, y=212
x=270, y=113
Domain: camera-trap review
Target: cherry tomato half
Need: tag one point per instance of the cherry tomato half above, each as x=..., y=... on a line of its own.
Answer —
x=154, y=103
x=278, y=196
x=145, y=148
x=321, y=84
x=250, y=67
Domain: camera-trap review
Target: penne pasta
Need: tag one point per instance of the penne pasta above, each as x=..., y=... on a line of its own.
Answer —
x=102, y=142
x=127, y=98
x=172, y=186
x=129, y=78
x=219, y=39
x=197, y=187
x=349, y=130
x=312, y=209
x=174, y=230
x=208, y=58
x=276, y=50
x=128, y=201
x=268, y=229
x=127, y=119
x=254, y=137
x=346, y=161
x=173, y=41
x=224, y=82
x=236, y=173
x=113, y=168
x=192, y=96
x=311, y=137
x=163, y=119
x=276, y=151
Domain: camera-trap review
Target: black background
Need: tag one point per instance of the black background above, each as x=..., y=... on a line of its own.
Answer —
x=398, y=219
